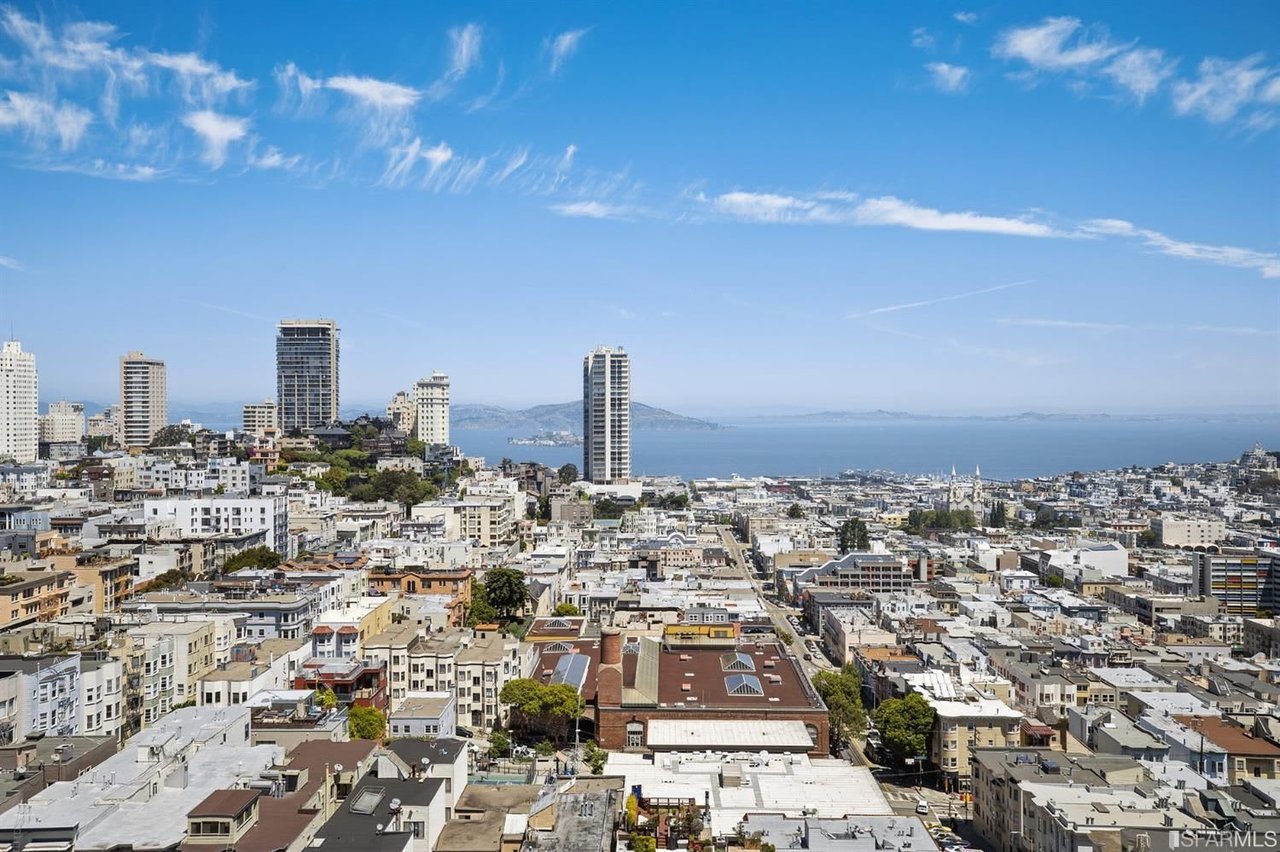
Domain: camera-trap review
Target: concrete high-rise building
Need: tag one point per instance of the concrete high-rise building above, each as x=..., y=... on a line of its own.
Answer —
x=402, y=411
x=306, y=374
x=606, y=416
x=431, y=396
x=144, y=400
x=258, y=417
x=62, y=423
x=19, y=404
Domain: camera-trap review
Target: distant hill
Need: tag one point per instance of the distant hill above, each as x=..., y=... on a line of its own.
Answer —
x=839, y=417
x=565, y=417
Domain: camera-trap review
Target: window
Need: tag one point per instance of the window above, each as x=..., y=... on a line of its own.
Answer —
x=635, y=735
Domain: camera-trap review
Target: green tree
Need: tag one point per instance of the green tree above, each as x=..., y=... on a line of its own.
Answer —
x=97, y=442
x=607, y=509
x=644, y=843
x=499, y=744
x=506, y=591
x=480, y=611
x=632, y=811
x=999, y=515
x=415, y=448
x=853, y=536
x=842, y=693
x=568, y=473
x=253, y=557
x=794, y=511
x=1147, y=538
x=595, y=757
x=549, y=709
x=566, y=610
x=326, y=698
x=904, y=725
x=545, y=748
x=366, y=723
x=170, y=436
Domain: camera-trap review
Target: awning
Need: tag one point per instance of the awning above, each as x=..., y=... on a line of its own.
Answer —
x=1036, y=729
x=322, y=631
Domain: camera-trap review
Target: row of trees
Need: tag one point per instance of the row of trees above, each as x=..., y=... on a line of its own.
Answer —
x=904, y=725
x=919, y=520
x=501, y=597
x=254, y=557
x=853, y=536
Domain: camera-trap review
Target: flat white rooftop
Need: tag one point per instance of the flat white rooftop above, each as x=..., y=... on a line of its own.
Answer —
x=793, y=785
x=746, y=735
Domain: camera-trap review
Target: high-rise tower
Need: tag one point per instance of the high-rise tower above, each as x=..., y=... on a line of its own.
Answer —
x=144, y=400
x=431, y=396
x=306, y=373
x=19, y=404
x=606, y=416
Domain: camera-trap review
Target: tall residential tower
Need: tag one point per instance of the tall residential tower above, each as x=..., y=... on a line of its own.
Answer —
x=144, y=400
x=19, y=404
x=306, y=373
x=431, y=396
x=606, y=416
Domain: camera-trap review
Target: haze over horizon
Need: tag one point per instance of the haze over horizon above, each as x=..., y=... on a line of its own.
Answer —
x=941, y=210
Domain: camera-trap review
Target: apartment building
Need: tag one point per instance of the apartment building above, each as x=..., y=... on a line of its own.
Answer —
x=259, y=418
x=30, y=596
x=306, y=374
x=1188, y=532
x=1244, y=581
x=110, y=577
x=962, y=726
x=225, y=514
x=431, y=404
x=19, y=404
x=144, y=400
x=606, y=416
x=62, y=423
x=101, y=696
x=48, y=694
x=871, y=572
x=189, y=656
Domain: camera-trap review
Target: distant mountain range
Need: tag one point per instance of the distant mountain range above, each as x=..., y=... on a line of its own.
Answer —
x=566, y=417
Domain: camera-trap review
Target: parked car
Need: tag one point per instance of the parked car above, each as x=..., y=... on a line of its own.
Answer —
x=463, y=732
x=922, y=807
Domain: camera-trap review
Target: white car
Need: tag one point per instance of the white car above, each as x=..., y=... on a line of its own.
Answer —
x=922, y=807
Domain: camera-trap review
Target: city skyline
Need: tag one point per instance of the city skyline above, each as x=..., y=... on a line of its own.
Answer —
x=838, y=215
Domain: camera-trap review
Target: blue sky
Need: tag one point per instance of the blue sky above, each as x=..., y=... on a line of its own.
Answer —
x=966, y=208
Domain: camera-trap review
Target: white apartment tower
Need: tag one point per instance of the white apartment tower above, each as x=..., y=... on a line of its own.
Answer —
x=62, y=423
x=19, y=404
x=259, y=417
x=606, y=416
x=144, y=400
x=306, y=374
x=431, y=396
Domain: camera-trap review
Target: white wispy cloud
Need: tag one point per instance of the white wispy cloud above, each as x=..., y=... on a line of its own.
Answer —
x=217, y=131
x=848, y=209
x=490, y=96
x=403, y=162
x=924, y=303
x=201, y=82
x=1266, y=263
x=966, y=17
x=922, y=39
x=298, y=90
x=10, y=263
x=563, y=46
x=513, y=165
x=1222, y=88
x=1055, y=44
x=1089, y=325
x=273, y=158
x=1142, y=70
x=889, y=210
x=41, y=120
x=375, y=94
x=947, y=77
x=464, y=54
x=594, y=210
x=566, y=162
